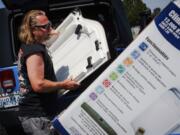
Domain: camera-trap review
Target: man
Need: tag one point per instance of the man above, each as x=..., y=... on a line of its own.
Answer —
x=38, y=85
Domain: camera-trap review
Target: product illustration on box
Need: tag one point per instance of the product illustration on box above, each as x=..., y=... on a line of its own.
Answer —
x=153, y=122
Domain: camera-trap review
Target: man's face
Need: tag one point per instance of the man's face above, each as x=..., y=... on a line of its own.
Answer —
x=43, y=28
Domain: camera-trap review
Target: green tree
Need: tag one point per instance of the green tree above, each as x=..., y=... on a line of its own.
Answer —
x=133, y=9
x=156, y=11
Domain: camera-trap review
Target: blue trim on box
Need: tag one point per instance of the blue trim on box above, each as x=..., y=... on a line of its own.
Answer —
x=58, y=126
x=160, y=20
x=15, y=69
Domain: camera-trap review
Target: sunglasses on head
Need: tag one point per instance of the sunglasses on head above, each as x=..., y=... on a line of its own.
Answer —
x=45, y=26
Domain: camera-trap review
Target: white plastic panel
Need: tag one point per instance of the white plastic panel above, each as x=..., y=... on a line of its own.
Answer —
x=72, y=52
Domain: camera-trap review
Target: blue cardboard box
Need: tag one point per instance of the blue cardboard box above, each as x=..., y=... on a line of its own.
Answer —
x=9, y=87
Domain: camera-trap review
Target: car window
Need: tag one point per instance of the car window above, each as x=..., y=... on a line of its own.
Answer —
x=1, y=4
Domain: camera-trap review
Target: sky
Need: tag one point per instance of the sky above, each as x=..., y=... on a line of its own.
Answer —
x=150, y=3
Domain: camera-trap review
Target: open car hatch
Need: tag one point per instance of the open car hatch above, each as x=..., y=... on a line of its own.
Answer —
x=80, y=47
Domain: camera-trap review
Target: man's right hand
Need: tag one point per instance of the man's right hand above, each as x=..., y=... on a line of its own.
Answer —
x=70, y=84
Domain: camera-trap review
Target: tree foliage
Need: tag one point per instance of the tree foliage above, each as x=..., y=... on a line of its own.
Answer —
x=133, y=9
x=156, y=11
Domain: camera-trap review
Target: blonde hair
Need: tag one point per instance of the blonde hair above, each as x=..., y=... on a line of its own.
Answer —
x=28, y=22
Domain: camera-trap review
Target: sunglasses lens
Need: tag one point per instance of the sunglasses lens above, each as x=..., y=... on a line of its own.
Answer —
x=46, y=26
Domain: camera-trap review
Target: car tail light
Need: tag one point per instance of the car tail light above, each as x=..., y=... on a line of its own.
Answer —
x=7, y=80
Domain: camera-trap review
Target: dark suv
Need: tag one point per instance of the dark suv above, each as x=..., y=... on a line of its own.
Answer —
x=110, y=13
